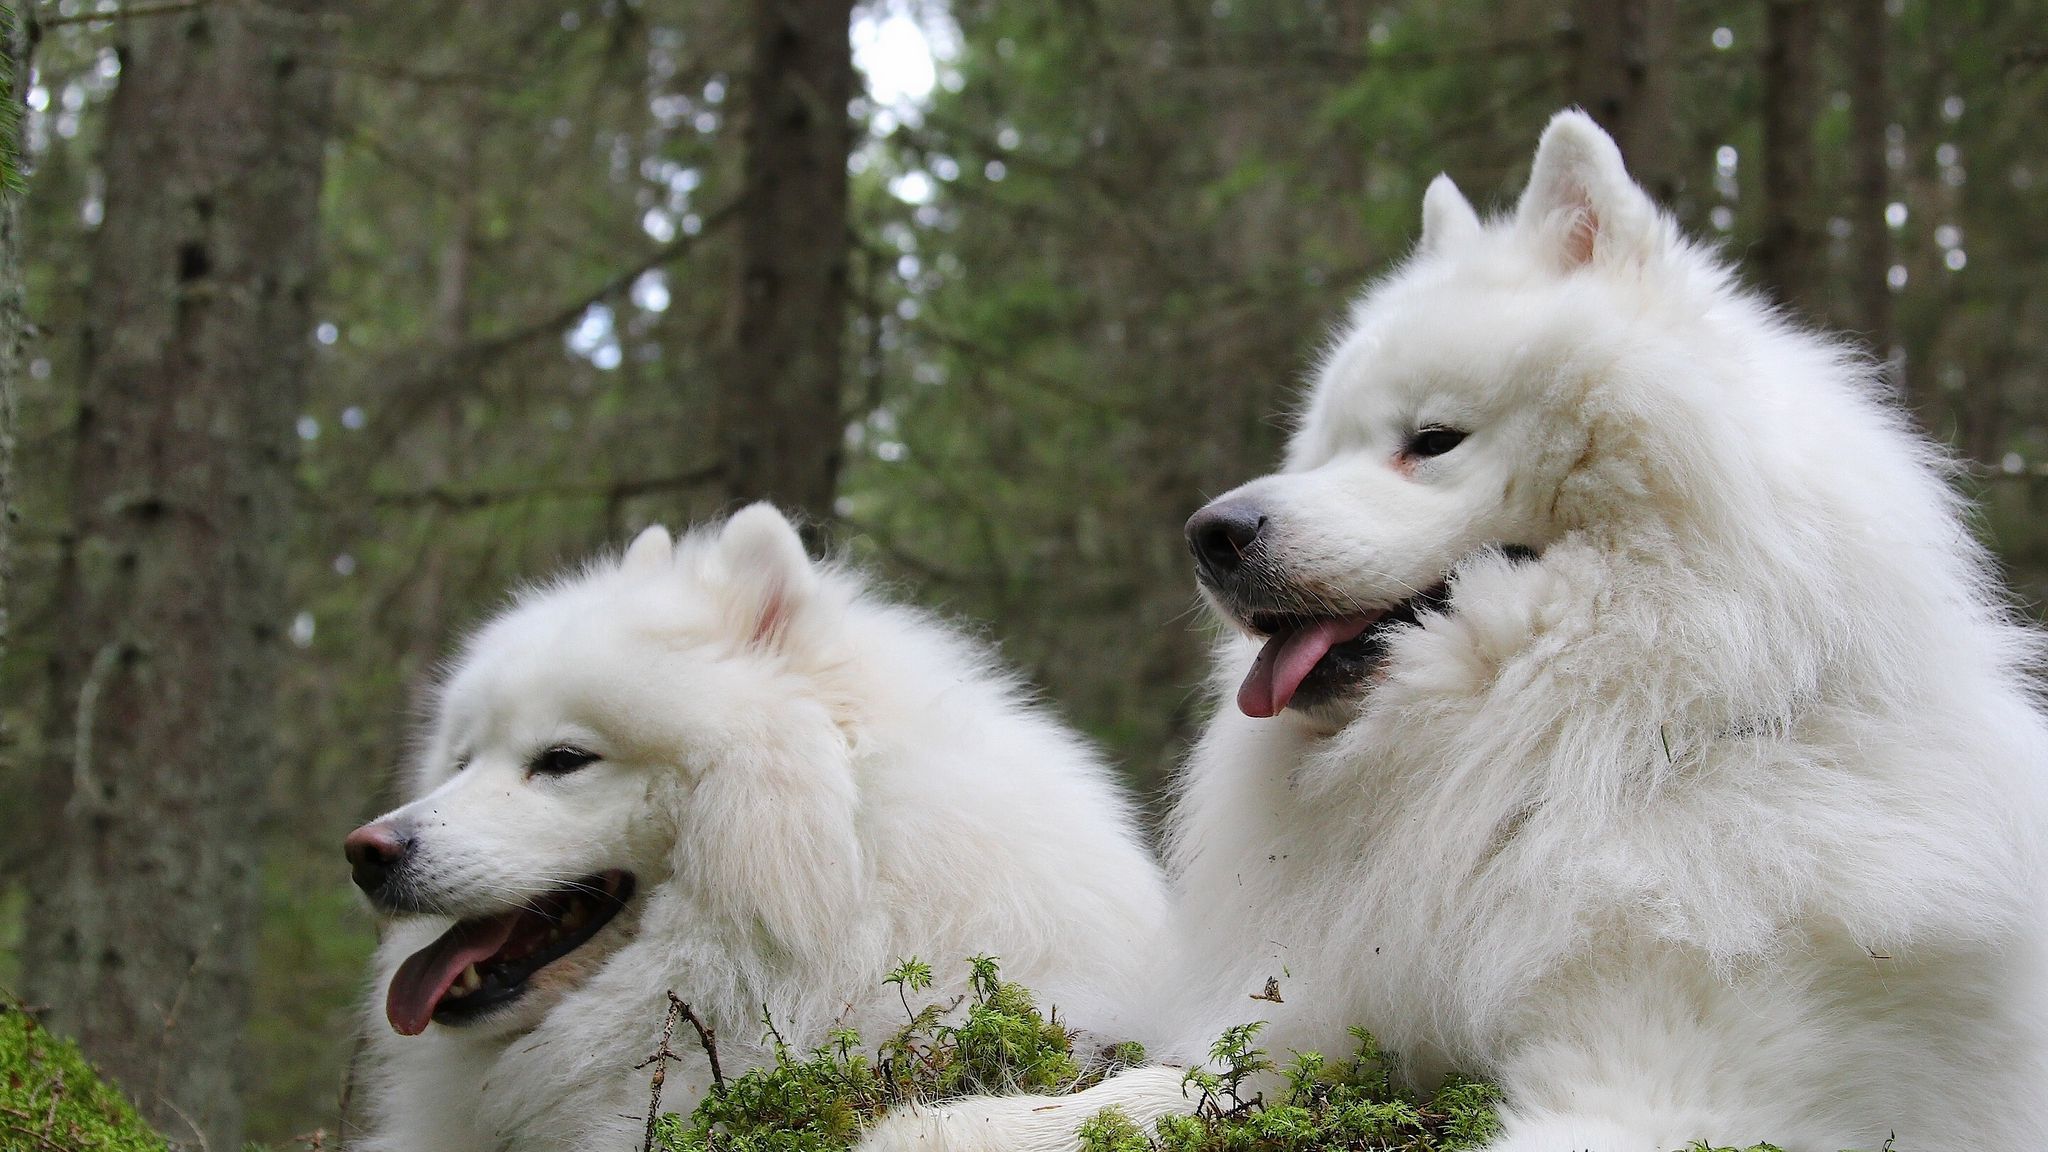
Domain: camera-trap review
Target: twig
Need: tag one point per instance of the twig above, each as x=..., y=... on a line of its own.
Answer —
x=125, y=12
x=84, y=788
x=768, y=1020
x=198, y=1133
x=422, y=375
x=662, y=1055
x=41, y=1139
x=470, y=499
x=706, y=1036
x=171, y=1017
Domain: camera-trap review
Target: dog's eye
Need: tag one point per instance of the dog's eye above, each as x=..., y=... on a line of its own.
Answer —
x=1434, y=441
x=562, y=761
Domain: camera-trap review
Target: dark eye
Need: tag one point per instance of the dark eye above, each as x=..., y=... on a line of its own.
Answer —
x=1434, y=441
x=562, y=761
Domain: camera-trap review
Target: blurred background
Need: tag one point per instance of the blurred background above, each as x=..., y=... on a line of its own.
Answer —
x=342, y=318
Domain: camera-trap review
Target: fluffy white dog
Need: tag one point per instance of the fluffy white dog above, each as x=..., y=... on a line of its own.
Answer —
x=715, y=768
x=1624, y=712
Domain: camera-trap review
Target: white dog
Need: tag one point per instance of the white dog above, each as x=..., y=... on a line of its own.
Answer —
x=1624, y=712
x=715, y=768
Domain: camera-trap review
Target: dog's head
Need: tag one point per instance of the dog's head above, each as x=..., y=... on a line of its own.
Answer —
x=1459, y=411
x=639, y=724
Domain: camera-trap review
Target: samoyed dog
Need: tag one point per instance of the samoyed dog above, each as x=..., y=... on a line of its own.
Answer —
x=715, y=768
x=1620, y=709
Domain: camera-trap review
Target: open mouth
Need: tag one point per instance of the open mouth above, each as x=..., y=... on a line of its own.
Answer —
x=485, y=962
x=1309, y=660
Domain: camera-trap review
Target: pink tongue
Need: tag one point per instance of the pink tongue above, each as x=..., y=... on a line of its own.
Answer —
x=427, y=974
x=1287, y=659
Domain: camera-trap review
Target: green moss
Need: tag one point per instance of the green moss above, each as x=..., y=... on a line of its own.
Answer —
x=1358, y=1104
x=51, y=1099
x=1110, y=1130
x=819, y=1101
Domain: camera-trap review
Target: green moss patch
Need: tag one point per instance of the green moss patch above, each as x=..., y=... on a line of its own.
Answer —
x=818, y=1101
x=52, y=1100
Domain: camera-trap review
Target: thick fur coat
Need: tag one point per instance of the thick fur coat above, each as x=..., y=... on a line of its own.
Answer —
x=1707, y=804
x=806, y=784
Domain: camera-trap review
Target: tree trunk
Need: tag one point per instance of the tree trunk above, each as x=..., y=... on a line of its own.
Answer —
x=13, y=321
x=781, y=424
x=1621, y=77
x=1787, y=256
x=194, y=361
x=1870, y=110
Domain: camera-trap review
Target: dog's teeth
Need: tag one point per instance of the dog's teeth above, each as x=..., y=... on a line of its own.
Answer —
x=469, y=981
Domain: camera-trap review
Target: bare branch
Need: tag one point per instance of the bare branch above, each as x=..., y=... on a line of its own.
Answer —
x=706, y=1036
x=662, y=1055
x=125, y=12
x=472, y=499
x=424, y=374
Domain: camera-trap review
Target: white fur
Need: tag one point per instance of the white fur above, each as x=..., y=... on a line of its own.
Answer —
x=809, y=783
x=1722, y=820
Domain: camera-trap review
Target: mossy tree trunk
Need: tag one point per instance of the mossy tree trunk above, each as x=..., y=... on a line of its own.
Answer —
x=194, y=362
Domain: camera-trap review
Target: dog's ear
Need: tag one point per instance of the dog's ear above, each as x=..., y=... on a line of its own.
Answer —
x=771, y=575
x=1580, y=205
x=1447, y=217
x=651, y=551
x=770, y=834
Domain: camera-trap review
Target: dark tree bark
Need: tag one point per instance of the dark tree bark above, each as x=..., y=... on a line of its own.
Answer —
x=1788, y=257
x=1870, y=110
x=13, y=321
x=1621, y=77
x=194, y=359
x=780, y=426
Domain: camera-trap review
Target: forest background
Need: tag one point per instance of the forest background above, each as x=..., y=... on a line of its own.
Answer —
x=324, y=324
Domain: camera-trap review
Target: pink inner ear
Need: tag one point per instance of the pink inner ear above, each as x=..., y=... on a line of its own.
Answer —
x=775, y=609
x=1579, y=238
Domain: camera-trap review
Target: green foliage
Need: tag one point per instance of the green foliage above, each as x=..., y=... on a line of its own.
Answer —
x=1358, y=1104
x=13, y=41
x=1110, y=1130
x=51, y=1099
x=818, y=1102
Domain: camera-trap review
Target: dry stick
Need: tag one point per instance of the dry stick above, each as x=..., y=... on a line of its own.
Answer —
x=36, y=1136
x=706, y=1036
x=662, y=1055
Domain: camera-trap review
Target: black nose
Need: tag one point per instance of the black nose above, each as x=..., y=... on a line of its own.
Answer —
x=1220, y=535
x=374, y=851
